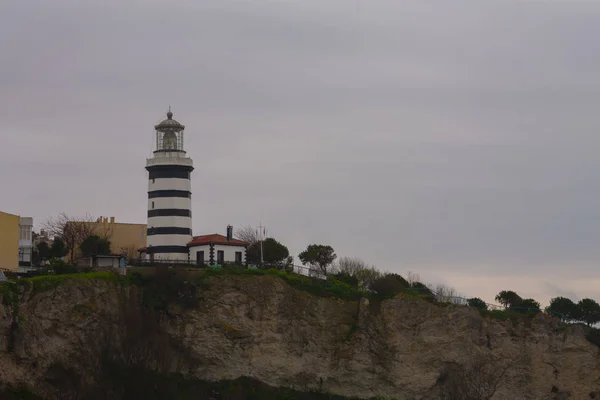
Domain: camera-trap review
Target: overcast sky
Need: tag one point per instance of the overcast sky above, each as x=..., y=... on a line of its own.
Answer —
x=455, y=139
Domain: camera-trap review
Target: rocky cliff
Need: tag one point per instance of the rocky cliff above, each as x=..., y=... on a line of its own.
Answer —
x=258, y=326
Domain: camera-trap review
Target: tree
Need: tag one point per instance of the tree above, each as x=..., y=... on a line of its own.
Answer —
x=43, y=251
x=590, y=311
x=477, y=303
x=94, y=245
x=444, y=294
x=356, y=268
x=274, y=253
x=563, y=308
x=389, y=285
x=247, y=234
x=508, y=298
x=349, y=265
x=422, y=290
x=319, y=257
x=527, y=306
x=412, y=277
x=58, y=249
x=346, y=278
x=72, y=230
x=367, y=277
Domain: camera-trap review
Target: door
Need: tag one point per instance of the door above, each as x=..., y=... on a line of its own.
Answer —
x=220, y=257
x=238, y=257
x=200, y=258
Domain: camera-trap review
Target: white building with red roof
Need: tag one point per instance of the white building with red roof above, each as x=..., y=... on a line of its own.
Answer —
x=215, y=249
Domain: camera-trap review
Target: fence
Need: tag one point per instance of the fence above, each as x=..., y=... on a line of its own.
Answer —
x=140, y=262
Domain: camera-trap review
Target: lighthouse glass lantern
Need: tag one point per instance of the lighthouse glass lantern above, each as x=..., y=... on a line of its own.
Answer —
x=169, y=135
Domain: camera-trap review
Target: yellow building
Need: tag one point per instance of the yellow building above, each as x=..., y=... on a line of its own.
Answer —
x=123, y=237
x=9, y=241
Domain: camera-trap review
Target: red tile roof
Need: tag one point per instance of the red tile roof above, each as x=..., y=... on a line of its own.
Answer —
x=215, y=238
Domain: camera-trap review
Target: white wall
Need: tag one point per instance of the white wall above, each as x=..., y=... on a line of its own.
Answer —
x=159, y=222
x=205, y=248
x=183, y=203
x=169, y=158
x=170, y=184
x=229, y=252
x=168, y=240
x=108, y=262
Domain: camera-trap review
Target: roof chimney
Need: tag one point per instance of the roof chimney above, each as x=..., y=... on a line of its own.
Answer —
x=229, y=232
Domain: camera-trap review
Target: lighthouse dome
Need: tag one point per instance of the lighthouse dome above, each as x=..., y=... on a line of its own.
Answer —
x=169, y=123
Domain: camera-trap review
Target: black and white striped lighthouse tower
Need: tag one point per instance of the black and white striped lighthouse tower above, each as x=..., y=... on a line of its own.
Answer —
x=169, y=194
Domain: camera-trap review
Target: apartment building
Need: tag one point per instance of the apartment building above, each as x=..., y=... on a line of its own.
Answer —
x=9, y=241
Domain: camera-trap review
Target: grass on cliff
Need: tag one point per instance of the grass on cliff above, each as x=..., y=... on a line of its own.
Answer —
x=329, y=287
x=10, y=291
x=157, y=281
x=46, y=282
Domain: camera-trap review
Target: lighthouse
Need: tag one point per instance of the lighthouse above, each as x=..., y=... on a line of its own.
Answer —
x=169, y=194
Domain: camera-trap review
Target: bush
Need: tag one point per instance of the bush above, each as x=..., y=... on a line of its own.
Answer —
x=389, y=285
x=477, y=303
x=527, y=306
x=166, y=286
x=60, y=267
x=421, y=290
x=330, y=287
x=563, y=308
x=593, y=336
x=346, y=278
x=45, y=282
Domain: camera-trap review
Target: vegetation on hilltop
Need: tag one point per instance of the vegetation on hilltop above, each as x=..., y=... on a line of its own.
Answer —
x=123, y=366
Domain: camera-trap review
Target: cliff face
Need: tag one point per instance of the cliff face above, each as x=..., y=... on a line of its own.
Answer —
x=260, y=327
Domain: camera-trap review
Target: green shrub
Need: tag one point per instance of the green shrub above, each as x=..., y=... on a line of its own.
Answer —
x=330, y=287
x=45, y=282
x=496, y=314
x=419, y=289
x=593, y=336
x=527, y=306
x=346, y=278
x=60, y=267
x=9, y=291
x=167, y=286
x=389, y=285
x=477, y=303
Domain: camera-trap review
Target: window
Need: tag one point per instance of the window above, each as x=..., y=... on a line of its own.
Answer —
x=238, y=257
x=153, y=205
x=24, y=233
x=220, y=257
x=153, y=180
